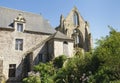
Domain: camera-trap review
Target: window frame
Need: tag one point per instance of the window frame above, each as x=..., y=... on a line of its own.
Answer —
x=65, y=48
x=75, y=19
x=20, y=27
x=19, y=44
x=12, y=70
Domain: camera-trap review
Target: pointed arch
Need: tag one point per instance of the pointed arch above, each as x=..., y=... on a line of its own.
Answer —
x=75, y=18
x=78, y=38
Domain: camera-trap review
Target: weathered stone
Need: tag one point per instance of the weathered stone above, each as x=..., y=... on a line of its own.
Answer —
x=39, y=42
x=68, y=27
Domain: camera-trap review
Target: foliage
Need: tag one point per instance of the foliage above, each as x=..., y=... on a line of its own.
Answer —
x=100, y=66
x=74, y=70
x=108, y=53
x=32, y=79
x=46, y=71
x=58, y=61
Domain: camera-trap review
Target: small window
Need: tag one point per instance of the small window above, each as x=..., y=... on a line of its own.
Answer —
x=65, y=42
x=40, y=57
x=19, y=27
x=19, y=44
x=12, y=70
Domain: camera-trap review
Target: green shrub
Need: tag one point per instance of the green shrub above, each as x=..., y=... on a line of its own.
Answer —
x=32, y=79
x=59, y=61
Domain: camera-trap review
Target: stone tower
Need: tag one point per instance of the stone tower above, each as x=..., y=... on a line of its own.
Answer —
x=74, y=26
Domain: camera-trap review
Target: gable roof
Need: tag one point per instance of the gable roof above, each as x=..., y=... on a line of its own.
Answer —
x=34, y=22
x=59, y=35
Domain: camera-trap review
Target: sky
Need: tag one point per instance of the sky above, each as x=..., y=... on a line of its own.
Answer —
x=99, y=13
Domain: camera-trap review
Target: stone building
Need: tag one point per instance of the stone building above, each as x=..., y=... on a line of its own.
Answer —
x=74, y=26
x=27, y=39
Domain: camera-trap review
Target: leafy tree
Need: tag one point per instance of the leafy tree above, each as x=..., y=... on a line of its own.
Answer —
x=108, y=55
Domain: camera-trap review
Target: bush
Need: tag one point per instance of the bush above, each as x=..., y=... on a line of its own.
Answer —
x=32, y=79
x=59, y=61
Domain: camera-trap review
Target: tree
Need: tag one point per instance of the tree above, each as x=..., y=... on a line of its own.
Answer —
x=108, y=54
x=100, y=66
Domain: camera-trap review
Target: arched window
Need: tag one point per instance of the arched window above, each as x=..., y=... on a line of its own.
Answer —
x=75, y=19
x=65, y=42
x=78, y=38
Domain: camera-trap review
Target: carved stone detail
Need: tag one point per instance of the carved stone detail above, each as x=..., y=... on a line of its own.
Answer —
x=20, y=18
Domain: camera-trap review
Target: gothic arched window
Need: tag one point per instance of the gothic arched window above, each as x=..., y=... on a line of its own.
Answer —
x=76, y=19
x=78, y=38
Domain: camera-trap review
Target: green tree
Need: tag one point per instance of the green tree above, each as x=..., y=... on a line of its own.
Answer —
x=108, y=54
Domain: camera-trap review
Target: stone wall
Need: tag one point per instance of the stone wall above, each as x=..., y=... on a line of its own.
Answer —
x=1, y=70
x=12, y=56
x=51, y=49
x=58, y=48
x=69, y=24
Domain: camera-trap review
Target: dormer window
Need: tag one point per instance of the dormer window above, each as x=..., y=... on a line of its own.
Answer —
x=19, y=27
x=19, y=23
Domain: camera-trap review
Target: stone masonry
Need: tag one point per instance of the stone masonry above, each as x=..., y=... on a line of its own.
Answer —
x=74, y=26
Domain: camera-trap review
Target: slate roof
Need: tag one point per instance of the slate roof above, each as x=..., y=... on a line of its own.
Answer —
x=59, y=35
x=34, y=22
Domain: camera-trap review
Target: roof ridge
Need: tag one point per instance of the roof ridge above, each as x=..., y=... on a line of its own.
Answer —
x=54, y=34
x=60, y=35
x=34, y=22
x=21, y=10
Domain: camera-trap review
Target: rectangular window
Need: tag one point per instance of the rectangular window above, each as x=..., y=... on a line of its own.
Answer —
x=19, y=44
x=12, y=70
x=19, y=27
x=40, y=57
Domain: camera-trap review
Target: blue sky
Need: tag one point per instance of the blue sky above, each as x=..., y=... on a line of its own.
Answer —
x=99, y=13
